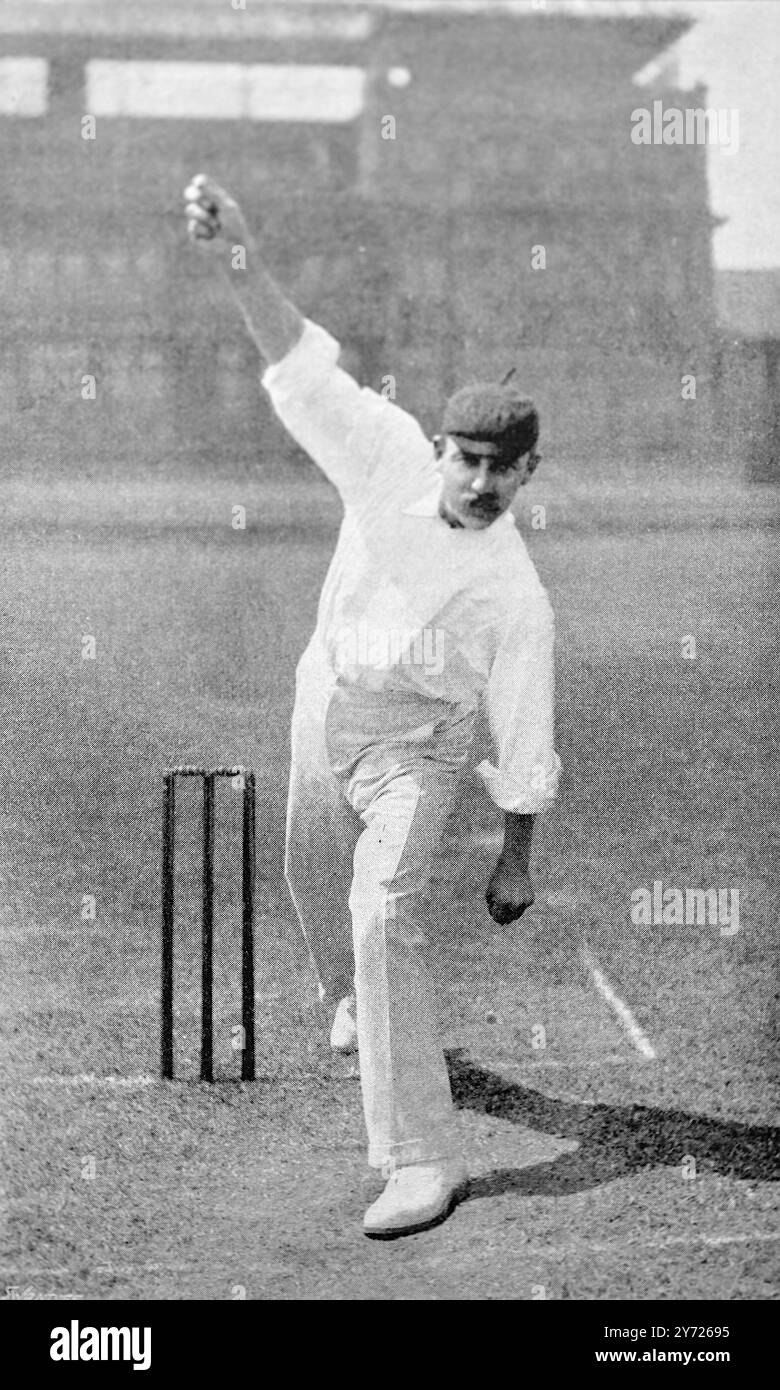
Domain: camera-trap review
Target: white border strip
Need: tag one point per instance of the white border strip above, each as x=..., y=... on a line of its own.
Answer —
x=317, y=92
x=580, y=9
x=337, y=20
x=24, y=86
x=187, y=19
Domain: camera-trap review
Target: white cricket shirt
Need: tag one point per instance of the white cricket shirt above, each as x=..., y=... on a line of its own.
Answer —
x=409, y=602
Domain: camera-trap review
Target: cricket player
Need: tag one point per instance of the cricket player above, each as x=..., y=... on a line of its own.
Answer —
x=430, y=605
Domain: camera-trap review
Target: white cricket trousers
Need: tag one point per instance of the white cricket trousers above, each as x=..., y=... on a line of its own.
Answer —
x=373, y=779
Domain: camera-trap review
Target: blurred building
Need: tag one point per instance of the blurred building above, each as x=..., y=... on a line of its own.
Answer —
x=451, y=188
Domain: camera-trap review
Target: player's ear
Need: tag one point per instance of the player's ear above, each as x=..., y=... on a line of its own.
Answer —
x=529, y=463
x=438, y=445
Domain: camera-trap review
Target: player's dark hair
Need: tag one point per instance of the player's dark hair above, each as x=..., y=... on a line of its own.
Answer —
x=494, y=413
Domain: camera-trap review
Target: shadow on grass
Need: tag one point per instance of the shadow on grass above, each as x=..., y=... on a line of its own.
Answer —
x=613, y=1140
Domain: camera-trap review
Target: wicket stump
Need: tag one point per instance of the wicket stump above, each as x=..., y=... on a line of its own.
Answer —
x=209, y=776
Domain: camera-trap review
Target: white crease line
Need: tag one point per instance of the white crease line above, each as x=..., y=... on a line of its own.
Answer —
x=137, y=1083
x=540, y=1251
x=578, y=1064
x=674, y=1242
x=88, y=1079
x=638, y=1037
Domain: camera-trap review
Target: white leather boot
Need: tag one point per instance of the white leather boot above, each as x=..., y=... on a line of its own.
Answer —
x=417, y=1196
x=343, y=1034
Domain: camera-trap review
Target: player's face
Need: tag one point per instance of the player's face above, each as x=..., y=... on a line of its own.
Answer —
x=478, y=482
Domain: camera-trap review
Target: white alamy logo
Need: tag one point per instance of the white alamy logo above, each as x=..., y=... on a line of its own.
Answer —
x=689, y=907
x=76, y=1343
x=695, y=125
x=383, y=648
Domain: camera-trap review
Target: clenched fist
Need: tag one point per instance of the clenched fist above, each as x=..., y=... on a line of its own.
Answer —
x=212, y=214
x=509, y=892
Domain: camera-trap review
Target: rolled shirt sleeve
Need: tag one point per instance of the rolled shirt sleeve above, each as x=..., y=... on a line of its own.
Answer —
x=520, y=708
x=343, y=427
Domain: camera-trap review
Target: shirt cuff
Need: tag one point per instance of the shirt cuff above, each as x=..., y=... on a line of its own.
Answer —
x=526, y=797
x=314, y=355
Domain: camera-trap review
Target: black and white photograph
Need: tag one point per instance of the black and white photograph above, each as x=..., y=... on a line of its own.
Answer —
x=390, y=462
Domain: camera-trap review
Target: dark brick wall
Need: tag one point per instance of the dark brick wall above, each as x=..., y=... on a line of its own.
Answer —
x=520, y=139
x=415, y=252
